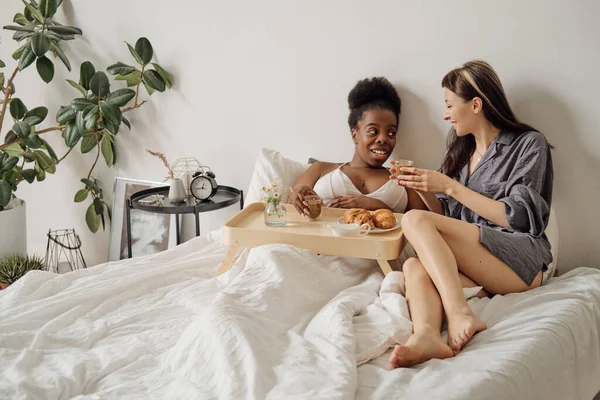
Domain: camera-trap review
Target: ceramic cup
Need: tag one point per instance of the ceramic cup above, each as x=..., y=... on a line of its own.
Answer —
x=349, y=230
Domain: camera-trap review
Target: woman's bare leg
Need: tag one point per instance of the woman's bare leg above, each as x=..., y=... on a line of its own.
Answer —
x=425, y=309
x=444, y=245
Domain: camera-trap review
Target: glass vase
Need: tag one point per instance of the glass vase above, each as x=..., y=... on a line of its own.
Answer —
x=275, y=215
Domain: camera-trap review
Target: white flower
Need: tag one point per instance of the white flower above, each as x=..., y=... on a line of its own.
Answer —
x=269, y=190
x=275, y=195
x=274, y=184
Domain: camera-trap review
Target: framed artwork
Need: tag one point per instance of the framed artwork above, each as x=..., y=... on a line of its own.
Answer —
x=150, y=233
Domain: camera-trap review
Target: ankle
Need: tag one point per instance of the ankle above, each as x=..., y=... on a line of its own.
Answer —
x=427, y=329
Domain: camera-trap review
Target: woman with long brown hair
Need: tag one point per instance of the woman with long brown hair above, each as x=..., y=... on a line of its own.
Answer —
x=488, y=210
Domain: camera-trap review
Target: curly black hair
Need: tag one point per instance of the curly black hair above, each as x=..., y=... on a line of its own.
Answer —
x=372, y=93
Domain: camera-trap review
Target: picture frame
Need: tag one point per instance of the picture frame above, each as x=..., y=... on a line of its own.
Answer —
x=150, y=232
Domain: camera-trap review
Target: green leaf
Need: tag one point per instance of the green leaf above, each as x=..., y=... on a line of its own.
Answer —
x=27, y=58
x=92, y=219
x=88, y=143
x=120, y=69
x=8, y=162
x=87, y=72
x=91, y=118
x=10, y=137
x=18, y=28
x=92, y=185
x=144, y=49
x=49, y=149
x=120, y=97
x=56, y=37
x=163, y=74
x=65, y=30
x=149, y=90
x=84, y=105
x=61, y=54
x=80, y=122
x=99, y=84
x=44, y=161
x=45, y=68
x=107, y=150
x=13, y=150
x=28, y=175
x=135, y=55
x=65, y=114
x=33, y=141
x=72, y=134
x=2, y=65
x=40, y=44
x=110, y=113
x=48, y=7
x=36, y=115
x=17, y=108
x=20, y=19
x=81, y=195
x=22, y=129
x=40, y=174
x=126, y=122
x=34, y=12
x=132, y=79
x=154, y=80
x=5, y=193
x=98, y=206
x=19, y=36
x=78, y=87
x=17, y=54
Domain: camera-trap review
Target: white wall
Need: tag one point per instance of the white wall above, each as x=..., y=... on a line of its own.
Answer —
x=252, y=74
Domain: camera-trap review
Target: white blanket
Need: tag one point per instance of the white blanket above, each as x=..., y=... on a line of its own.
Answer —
x=284, y=323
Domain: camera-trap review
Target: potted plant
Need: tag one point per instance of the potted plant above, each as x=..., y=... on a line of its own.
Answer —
x=91, y=121
x=14, y=267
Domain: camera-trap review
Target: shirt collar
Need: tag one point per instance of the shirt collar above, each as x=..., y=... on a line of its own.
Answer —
x=506, y=137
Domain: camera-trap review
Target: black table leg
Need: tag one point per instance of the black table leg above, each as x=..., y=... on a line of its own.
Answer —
x=177, y=229
x=197, y=224
x=128, y=211
x=241, y=199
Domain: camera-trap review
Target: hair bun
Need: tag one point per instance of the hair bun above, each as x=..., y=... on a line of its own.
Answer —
x=374, y=90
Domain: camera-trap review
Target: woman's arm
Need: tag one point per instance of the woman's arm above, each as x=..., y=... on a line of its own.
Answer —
x=304, y=186
x=430, y=200
x=357, y=201
x=415, y=201
x=430, y=182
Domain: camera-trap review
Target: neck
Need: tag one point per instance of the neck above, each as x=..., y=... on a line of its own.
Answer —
x=358, y=162
x=484, y=136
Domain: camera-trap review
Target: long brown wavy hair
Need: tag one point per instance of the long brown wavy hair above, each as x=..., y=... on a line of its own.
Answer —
x=477, y=79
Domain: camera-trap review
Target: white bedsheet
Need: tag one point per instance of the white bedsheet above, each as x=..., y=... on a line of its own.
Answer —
x=284, y=323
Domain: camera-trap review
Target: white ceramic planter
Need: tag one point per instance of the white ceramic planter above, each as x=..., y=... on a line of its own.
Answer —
x=13, y=229
x=176, y=191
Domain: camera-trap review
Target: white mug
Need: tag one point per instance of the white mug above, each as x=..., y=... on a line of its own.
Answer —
x=349, y=230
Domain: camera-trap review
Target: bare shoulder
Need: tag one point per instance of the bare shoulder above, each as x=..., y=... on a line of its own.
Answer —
x=325, y=167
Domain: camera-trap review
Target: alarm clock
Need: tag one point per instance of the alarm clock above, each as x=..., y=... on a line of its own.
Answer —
x=203, y=185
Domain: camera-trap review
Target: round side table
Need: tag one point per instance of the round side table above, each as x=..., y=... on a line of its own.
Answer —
x=156, y=200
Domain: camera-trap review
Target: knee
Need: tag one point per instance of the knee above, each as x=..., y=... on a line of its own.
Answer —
x=413, y=269
x=413, y=219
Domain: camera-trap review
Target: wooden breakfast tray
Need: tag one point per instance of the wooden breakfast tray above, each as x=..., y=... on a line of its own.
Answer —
x=247, y=229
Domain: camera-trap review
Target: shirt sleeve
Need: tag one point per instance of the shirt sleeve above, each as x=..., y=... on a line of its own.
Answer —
x=526, y=209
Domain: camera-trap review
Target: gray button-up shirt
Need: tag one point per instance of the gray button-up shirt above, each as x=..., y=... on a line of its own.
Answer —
x=517, y=170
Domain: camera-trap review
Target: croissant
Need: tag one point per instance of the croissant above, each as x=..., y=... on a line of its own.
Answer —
x=384, y=219
x=359, y=216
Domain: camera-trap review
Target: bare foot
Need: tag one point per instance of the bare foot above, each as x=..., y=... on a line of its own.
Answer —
x=420, y=347
x=462, y=326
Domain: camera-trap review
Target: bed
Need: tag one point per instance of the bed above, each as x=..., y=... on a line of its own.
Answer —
x=283, y=323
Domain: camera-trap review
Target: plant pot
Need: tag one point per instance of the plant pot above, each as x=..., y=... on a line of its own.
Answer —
x=13, y=228
x=176, y=191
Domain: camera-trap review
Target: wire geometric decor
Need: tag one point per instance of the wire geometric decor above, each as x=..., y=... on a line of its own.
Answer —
x=64, y=247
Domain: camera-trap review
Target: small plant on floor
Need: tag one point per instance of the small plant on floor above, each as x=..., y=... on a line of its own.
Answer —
x=12, y=268
x=92, y=120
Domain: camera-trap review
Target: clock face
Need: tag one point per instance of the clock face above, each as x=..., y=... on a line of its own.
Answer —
x=201, y=188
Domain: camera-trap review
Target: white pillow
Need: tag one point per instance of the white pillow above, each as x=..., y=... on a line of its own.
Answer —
x=271, y=166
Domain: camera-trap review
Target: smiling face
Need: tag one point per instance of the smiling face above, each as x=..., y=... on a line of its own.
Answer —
x=375, y=136
x=464, y=115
